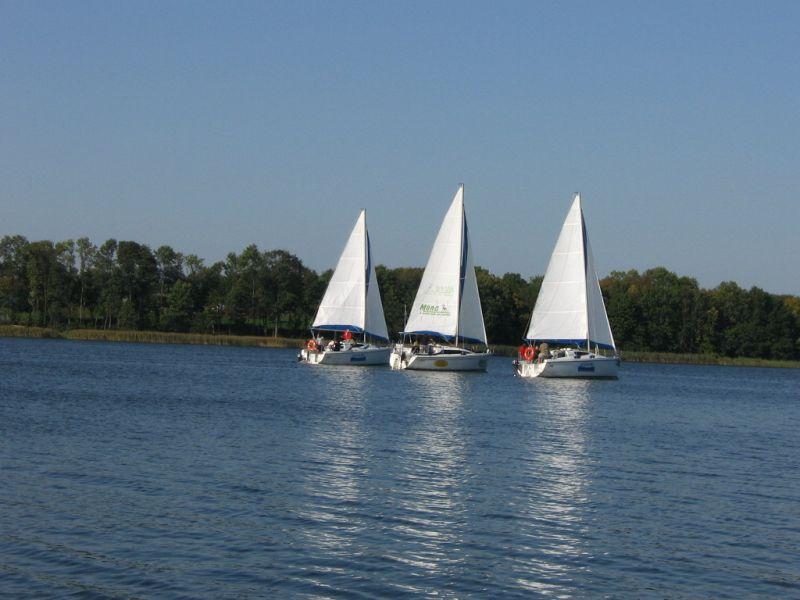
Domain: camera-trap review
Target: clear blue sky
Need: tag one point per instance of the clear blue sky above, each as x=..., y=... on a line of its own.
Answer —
x=212, y=126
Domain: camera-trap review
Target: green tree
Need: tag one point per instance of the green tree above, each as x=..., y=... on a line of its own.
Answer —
x=208, y=294
x=621, y=291
x=237, y=294
x=283, y=282
x=398, y=289
x=169, y=265
x=67, y=292
x=107, y=281
x=46, y=282
x=87, y=253
x=13, y=278
x=178, y=313
x=137, y=272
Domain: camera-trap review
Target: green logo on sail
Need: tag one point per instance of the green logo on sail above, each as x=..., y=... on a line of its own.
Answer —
x=435, y=310
x=440, y=290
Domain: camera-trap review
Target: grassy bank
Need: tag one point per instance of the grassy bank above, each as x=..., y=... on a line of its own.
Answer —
x=29, y=332
x=706, y=359
x=668, y=358
x=149, y=337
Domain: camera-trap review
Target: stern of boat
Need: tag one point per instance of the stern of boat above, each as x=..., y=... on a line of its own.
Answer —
x=528, y=369
x=398, y=359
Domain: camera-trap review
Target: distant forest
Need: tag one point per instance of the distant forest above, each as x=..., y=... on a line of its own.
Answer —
x=127, y=285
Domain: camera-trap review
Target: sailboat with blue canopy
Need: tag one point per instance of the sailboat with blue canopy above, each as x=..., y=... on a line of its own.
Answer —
x=569, y=310
x=351, y=309
x=446, y=313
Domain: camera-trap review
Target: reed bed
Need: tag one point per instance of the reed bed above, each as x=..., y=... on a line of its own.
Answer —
x=150, y=337
x=706, y=359
x=28, y=332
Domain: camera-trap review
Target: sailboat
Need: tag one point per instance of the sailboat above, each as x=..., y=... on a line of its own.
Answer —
x=351, y=308
x=446, y=312
x=569, y=313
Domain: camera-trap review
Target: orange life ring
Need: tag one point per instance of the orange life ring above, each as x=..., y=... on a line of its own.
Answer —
x=529, y=353
x=311, y=345
x=347, y=335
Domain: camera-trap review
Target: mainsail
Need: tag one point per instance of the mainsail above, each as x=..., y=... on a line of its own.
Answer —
x=447, y=303
x=352, y=300
x=570, y=309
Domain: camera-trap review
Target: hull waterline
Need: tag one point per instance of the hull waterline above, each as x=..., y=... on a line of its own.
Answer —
x=467, y=361
x=368, y=357
x=587, y=367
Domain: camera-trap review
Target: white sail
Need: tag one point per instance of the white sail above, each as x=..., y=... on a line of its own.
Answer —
x=374, y=320
x=470, y=323
x=352, y=300
x=570, y=307
x=599, y=327
x=447, y=303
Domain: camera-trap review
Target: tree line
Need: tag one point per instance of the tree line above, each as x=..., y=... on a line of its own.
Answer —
x=127, y=285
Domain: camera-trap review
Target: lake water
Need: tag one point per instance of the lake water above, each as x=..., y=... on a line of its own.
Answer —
x=132, y=470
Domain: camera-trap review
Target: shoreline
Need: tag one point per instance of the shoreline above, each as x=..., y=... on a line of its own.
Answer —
x=205, y=339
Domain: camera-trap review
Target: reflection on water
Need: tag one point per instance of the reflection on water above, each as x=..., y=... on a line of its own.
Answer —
x=445, y=498
x=556, y=505
x=334, y=461
x=413, y=480
x=431, y=475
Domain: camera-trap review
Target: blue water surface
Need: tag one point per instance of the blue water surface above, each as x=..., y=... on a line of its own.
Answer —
x=158, y=471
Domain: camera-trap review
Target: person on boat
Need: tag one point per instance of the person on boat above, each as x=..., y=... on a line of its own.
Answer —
x=415, y=346
x=337, y=345
x=544, y=351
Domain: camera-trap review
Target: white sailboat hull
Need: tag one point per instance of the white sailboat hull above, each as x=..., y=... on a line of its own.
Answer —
x=584, y=367
x=403, y=358
x=369, y=356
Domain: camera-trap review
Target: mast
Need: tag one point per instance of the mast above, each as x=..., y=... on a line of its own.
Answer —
x=460, y=266
x=366, y=273
x=585, y=273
